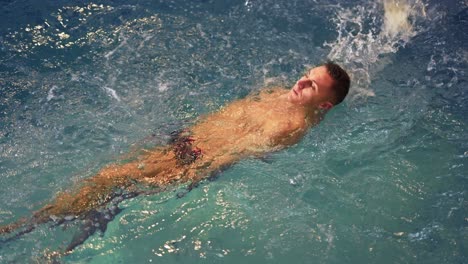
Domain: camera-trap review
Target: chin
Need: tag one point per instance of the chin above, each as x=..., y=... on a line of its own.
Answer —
x=292, y=98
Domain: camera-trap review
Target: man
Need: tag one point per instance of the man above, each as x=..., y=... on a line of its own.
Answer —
x=250, y=127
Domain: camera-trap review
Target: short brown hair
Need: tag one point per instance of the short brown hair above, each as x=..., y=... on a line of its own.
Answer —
x=341, y=81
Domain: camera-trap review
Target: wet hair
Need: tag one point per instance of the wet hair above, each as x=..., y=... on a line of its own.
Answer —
x=341, y=81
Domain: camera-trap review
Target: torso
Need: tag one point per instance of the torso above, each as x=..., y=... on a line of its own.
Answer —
x=251, y=126
x=248, y=127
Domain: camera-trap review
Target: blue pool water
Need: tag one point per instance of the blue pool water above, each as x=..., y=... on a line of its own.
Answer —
x=383, y=179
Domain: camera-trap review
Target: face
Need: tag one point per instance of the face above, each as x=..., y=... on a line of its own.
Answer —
x=313, y=89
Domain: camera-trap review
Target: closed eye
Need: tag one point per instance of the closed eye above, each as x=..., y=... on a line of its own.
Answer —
x=314, y=85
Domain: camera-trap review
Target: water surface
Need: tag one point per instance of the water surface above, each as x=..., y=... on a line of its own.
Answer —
x=382, y=179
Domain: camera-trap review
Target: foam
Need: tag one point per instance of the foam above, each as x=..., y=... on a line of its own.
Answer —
x=367, y=33
x=110, y=53
x=112, y=93
x=50, y=94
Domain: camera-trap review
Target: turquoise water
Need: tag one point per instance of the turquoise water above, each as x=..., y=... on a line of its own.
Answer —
x=382, y=179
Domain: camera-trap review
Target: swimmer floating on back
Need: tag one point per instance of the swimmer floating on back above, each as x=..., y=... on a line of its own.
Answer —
x=253, y=126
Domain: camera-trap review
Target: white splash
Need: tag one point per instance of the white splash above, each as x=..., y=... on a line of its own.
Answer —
x=163, y=87
x=110, y=53
x=366, y=33
x=112, y=93
x=50, y=94
x=396, y=18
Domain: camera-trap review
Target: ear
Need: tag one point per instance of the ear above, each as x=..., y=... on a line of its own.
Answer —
x=326, y=105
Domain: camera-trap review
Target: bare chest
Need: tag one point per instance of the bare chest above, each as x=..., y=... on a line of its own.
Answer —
x=277, y=125
x=250, y=126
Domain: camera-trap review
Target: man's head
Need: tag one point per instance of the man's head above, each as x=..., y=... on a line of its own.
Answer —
x=324, y=87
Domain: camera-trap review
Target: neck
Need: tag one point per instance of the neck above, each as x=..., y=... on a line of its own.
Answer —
x=312, y=113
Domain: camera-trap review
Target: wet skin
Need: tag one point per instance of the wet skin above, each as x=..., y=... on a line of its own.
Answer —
x=251, y=127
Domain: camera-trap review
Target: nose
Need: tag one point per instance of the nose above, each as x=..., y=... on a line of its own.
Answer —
x=301, y=84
